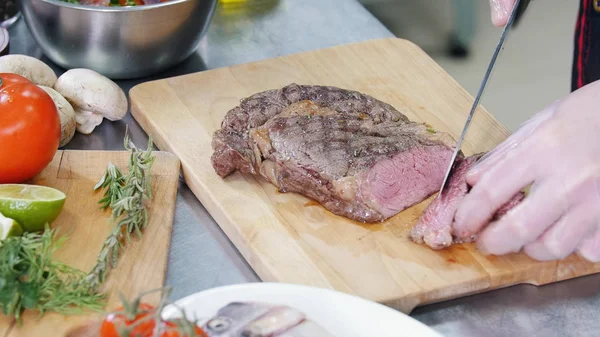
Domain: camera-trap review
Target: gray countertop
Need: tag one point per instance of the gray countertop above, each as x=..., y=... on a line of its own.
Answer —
x=202, y=257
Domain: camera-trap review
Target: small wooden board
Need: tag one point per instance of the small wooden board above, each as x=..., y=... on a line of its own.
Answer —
x=142, y=265
x=283, y=235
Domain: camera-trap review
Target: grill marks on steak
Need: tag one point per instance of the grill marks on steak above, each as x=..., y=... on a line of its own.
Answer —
x=231, y=143
x=355, y=155
x=434, y=227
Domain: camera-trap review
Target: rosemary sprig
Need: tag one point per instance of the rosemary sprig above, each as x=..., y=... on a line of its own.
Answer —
x=125, y=194
x=113, y=181
x=31, y=279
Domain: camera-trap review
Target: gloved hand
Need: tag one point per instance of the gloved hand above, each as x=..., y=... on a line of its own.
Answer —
x=501, y=11
x=558, y=152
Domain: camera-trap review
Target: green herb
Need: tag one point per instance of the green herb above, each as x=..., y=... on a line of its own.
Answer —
x=430, y=130
x=30, y=279
x=113, y=181
x=126, y=195
x=117, y=3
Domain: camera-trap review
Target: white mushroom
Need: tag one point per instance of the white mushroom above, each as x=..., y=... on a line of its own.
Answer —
x=87, y=121
x=29, y=67
x=66, y=113
x=93, y=97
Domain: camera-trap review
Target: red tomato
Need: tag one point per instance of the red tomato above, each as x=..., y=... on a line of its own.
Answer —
x=175, y=333
x=29, y=129
x=113, y=322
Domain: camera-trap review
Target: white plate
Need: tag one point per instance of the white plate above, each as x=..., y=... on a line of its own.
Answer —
x=341, y=314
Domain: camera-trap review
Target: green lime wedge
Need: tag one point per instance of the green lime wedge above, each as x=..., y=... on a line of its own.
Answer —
x=32, y=206
x=9, y=227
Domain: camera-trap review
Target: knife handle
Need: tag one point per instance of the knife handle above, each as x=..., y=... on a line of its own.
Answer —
x=523, y=4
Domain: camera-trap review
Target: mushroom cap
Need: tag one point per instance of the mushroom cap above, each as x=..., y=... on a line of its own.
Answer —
x=29, y=67
x=88, y=90
x=66, y=114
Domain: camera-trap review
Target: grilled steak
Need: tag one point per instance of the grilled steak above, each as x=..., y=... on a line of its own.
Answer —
x=434, y=227
x=357, y=156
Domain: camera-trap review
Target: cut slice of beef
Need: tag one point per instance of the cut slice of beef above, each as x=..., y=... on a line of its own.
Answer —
x=434, y=227
x=357, y=156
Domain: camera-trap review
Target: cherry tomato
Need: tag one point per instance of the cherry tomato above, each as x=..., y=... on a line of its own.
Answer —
x=175, y=333
x=29, y=129
x=115, y=321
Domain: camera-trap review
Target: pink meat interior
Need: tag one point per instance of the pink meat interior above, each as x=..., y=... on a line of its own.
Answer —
x=405, y=179
x=434, y=227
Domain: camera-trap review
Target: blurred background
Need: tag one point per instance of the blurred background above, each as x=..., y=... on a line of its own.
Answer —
x=533, y=70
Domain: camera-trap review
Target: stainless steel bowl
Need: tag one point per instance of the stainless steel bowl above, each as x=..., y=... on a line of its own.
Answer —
x=118, y=42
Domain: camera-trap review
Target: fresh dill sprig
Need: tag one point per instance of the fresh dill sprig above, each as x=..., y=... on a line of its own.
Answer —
x=31, y=279
x=126, y=195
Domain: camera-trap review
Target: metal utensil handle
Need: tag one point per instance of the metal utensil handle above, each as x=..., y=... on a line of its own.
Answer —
x=9, y=13
x=488, y=73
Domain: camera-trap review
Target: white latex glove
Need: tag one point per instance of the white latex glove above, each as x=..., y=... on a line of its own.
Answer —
x=558, y=151
x=501, y=11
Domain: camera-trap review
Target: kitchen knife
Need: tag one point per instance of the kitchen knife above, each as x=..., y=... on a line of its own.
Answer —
x=517, y=12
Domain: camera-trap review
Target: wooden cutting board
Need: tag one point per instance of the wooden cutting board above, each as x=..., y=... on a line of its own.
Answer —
x=142, y=264
x=284, y=236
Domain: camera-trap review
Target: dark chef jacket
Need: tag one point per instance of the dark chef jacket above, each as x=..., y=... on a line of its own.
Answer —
x=586, y=51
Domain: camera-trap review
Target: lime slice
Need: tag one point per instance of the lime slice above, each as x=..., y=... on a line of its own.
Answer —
x=32, y=206
x=9, y=227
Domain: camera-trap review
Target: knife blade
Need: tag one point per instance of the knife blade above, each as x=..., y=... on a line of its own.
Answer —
x=517, y=12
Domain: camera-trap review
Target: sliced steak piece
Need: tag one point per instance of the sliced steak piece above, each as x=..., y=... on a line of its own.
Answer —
x=434, y=227
x=358, y=157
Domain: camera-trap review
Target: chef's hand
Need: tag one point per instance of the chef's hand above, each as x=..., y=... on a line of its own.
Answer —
x=501, y=10
x=558, y=152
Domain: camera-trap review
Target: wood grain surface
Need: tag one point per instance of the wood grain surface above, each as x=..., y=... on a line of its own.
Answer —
x=284, y=236
x=142, y=264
